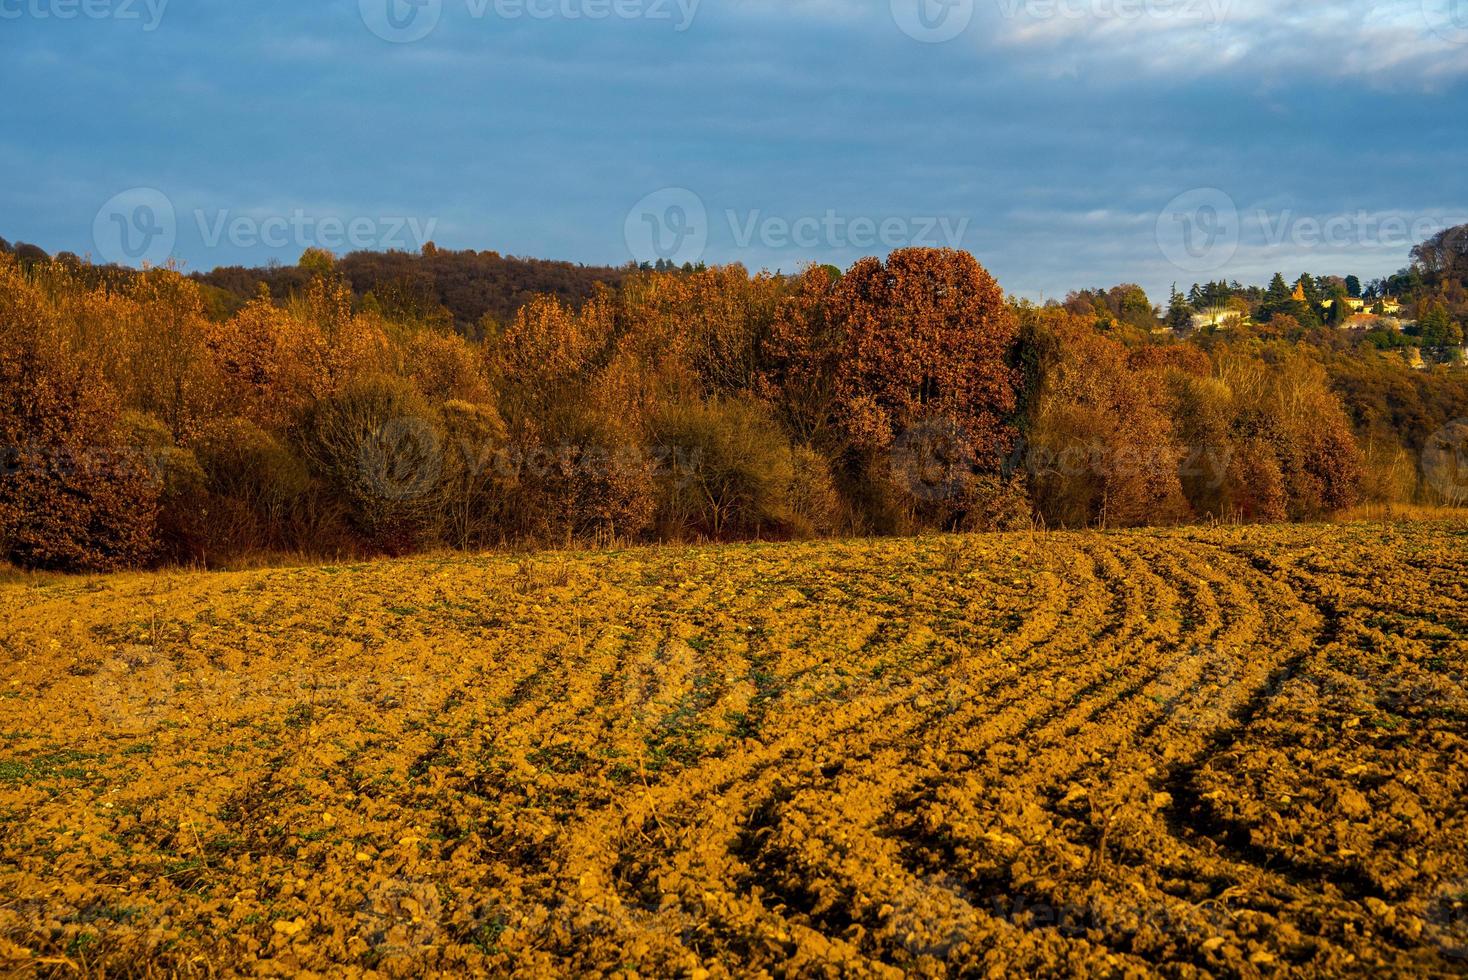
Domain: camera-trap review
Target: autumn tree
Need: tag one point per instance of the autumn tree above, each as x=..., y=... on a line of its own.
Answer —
x=471, y=482
x=379, y=445
x=168, y=372
x=72, y=496
x=260, y=493
x=573, y=405
x=709, y=323
x=1103, y=450
x=317, y=262
x=736, y=472
x=1291, y=435
x=801, y=355
x=264, y=358
x=1444, y=256
x=447, y=366
x=904, y=367
x=923, y=385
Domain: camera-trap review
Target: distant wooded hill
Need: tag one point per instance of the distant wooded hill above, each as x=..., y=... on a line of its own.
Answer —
x=462, y=287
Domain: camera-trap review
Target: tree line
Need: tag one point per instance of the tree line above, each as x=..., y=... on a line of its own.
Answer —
x=144, y=422
x=1427, y=302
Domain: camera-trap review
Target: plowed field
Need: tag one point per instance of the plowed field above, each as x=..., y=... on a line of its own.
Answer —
x=1227, y=752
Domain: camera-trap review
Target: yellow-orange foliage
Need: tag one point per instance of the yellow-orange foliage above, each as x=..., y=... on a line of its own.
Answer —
x=71, y=494
x=1103, y=446
x=264, y=357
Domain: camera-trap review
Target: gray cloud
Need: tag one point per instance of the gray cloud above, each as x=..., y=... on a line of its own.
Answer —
x=1057, y=142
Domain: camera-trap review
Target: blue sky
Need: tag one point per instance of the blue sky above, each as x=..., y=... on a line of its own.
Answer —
x=1066, y=143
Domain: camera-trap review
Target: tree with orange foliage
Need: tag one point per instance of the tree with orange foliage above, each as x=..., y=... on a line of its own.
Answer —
x=71, y=495
x=913, y=355
x=335, y=345
x=446, y=366
x=1291, y=410
x=169, y=373
x=263, y=363
x=707, y=325
x=1103, y=450
x=550, y=344
x=576, y=466
x=928, y=337
x=801, y=356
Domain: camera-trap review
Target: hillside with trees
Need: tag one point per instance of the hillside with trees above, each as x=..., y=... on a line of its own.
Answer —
x=470, y=291
x=388, y=404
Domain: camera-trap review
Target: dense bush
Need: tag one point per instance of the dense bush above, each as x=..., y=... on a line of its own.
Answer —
x=261, y=492
x=1294, y=424
x=737, y=470
x=182, y=487
x=379, y=447
x=815, y=508
x=472, y=481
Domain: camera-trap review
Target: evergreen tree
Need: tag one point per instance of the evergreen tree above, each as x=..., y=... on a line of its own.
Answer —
x=1310, y=288
x=1279, y=299
x=1309, y=311
x=1438, y=329
x=1179, y=312
x=1415, y=283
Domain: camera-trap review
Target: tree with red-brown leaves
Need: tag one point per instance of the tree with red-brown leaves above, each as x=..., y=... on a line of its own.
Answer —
x=1103, y=449
x=911, y=358
x=801, y=354
x=72, y=497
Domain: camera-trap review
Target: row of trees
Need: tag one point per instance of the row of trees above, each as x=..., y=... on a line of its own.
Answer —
x=466, y=291
x=700, y=404
x=1311, y=301
x=1169, y=433
x=141, y=422
x=1431, y=295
